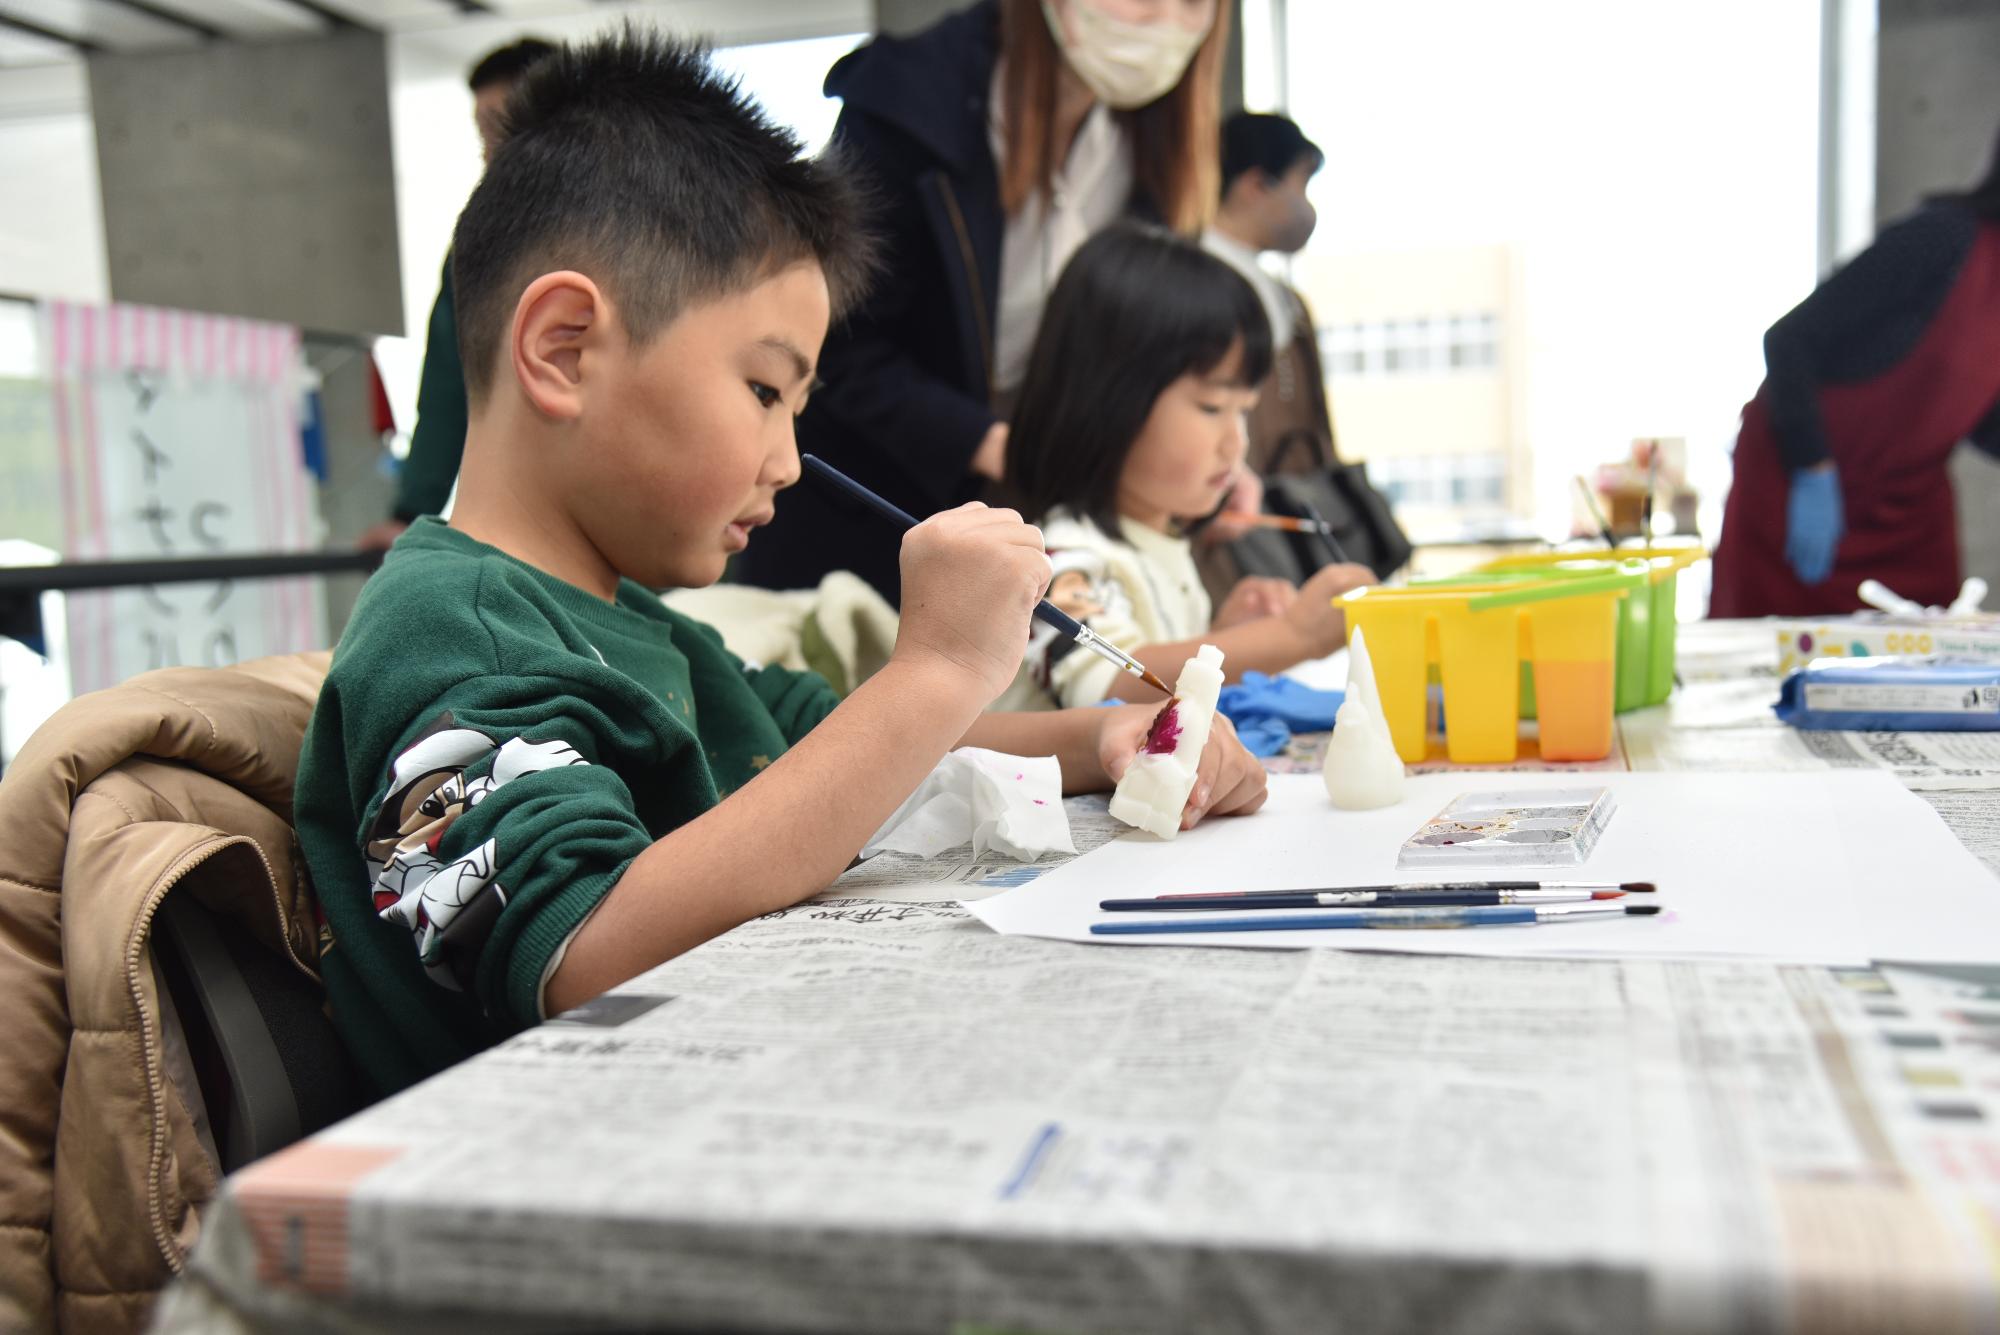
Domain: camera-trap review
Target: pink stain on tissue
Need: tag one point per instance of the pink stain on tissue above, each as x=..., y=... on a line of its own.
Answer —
x=1165, y=734
x=1038, y=801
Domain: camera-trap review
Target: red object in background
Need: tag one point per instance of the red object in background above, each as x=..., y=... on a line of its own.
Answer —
x=383, y=416
x=1890, y=438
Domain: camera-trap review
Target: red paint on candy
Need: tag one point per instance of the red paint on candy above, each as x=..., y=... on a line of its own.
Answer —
x=1165, y=734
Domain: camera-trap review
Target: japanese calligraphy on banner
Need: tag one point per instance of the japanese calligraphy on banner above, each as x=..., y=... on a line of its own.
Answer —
x=178, y=437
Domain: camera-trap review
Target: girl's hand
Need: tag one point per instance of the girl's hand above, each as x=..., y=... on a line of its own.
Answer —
x=1229, y=781
x=1316, y=617
x=1254, y=598
x=1242, y=503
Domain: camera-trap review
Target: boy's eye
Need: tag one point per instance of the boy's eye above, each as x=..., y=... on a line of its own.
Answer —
x=765, y=394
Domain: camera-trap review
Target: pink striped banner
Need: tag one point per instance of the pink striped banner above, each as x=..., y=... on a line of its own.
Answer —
x=215, y=377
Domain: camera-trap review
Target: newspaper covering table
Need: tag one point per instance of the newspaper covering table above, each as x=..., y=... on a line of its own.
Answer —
x=868, y=1113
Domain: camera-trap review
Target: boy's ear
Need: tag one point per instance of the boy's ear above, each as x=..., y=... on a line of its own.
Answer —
x=561, y=324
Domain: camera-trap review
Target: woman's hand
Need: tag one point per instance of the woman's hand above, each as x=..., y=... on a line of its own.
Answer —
x=381, y=537
x=1243, y=503
x=990, y=459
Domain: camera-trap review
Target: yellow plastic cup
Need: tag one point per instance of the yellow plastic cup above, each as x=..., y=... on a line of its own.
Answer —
x=1478, y=636
x=1647, y=621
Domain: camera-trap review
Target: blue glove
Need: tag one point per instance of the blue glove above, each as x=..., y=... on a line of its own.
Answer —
x=1813, y=524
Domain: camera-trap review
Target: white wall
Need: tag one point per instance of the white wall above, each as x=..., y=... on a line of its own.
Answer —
x=1655, y=165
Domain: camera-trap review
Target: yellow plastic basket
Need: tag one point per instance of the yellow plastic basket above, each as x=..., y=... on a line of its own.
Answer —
x=1478, y=636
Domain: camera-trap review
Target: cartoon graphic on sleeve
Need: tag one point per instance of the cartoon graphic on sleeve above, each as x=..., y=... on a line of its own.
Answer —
x=1075, y=592
x=448, y=907
x=1081, y=587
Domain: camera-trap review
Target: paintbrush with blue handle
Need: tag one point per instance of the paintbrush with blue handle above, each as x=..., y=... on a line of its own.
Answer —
x=1045, y=610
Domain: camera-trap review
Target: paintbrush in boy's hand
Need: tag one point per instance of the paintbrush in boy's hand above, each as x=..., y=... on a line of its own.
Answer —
x=1047, y=611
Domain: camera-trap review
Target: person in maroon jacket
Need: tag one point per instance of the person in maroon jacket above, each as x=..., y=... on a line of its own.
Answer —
x=1871, y=383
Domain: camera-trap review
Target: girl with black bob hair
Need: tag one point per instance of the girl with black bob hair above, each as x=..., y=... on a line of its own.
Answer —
x=1130, y=425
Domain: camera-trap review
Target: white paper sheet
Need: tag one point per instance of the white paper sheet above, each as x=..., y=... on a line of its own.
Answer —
x=1830, y=868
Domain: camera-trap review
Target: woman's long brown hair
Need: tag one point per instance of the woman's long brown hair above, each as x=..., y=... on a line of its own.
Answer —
x=1174, y=140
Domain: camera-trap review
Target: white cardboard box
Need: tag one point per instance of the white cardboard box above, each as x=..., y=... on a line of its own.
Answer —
x=1880, y=635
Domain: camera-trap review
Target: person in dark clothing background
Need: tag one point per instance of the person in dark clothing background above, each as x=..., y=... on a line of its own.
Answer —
x=1266, y=163
x=1871, y=383
x=431, y=468
x=997, y=141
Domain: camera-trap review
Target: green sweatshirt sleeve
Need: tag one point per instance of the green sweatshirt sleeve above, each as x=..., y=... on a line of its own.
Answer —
x=438, y=443
x=503, y=822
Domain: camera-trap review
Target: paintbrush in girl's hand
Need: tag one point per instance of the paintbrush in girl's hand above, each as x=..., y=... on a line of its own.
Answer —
x=1045, y=610
x=1325, y=531
x=1285, y=523
x=1290, y=524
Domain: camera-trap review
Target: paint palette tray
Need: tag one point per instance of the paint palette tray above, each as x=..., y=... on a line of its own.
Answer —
x=1550, y=827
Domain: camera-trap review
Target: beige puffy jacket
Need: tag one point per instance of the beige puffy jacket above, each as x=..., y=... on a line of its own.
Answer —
x=178, y=780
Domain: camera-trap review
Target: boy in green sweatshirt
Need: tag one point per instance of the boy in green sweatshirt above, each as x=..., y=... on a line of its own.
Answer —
x=526, y=780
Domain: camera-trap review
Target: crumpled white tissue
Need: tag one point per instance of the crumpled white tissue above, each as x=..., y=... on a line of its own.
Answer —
x=1009, y=803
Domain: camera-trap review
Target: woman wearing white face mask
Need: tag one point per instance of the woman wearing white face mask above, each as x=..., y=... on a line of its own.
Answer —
x=998, y=141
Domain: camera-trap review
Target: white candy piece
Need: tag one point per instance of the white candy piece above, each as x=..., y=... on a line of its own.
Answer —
x=1155, y=790
x=1362, y=769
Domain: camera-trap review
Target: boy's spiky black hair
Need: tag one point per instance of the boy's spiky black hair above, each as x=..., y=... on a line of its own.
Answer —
x=629, y=159
x=507, y=63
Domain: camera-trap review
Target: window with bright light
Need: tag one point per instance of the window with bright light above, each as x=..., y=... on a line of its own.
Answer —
x=786, y=78
x=1548, y=228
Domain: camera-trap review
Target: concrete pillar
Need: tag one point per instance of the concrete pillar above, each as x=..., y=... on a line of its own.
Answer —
x=257, y=180
x=1937, y=114
x=358, y=491
x=252, y=180
x=1937, y=98
x=902, y=17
